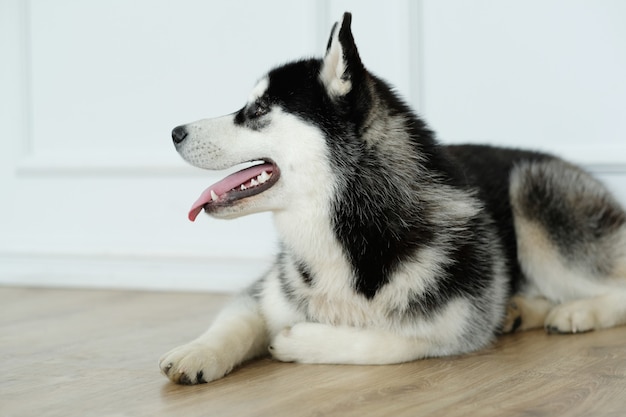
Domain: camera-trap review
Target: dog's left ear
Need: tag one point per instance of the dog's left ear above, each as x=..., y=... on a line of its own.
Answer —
x=342, y=66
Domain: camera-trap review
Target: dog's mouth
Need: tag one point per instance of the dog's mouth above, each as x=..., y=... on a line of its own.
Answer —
x=242, y=184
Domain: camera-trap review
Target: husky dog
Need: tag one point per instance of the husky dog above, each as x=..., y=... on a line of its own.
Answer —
x=393, y=247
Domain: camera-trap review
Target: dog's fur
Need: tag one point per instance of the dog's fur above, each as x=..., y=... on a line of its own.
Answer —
x=393, y=247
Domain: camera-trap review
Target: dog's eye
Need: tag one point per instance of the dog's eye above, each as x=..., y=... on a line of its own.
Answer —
x=261, y=108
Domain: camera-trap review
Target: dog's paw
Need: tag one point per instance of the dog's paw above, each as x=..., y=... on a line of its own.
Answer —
x=194, y=363
x=301, y=343
x=573, y=317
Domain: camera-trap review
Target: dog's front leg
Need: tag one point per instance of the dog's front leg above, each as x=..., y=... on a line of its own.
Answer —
x=321, y=343
x=239, y=333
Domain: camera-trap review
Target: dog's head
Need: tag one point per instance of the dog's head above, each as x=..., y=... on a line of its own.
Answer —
x=282, y=134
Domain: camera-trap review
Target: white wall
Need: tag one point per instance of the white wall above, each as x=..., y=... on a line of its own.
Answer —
x=93, y=193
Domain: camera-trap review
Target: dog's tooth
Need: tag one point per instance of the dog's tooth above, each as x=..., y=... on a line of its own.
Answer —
x=263, y=177
x=253, y=182
x=214, y=196
x=243, y=187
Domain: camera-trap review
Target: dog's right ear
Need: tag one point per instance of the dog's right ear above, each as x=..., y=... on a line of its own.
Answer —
x=342, y=65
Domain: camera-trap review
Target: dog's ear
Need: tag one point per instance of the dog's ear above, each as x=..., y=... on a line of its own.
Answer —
x=342, y=65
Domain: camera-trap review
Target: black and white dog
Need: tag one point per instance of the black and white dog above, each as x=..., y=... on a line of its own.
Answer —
x=393, y=247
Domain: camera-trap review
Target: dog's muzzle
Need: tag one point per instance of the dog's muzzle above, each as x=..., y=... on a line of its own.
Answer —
x=179, y=134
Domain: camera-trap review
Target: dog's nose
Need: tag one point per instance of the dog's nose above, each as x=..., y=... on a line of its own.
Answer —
x=179, y=134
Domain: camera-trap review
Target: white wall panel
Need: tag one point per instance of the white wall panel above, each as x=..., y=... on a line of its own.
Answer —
x=541, y=74
x=110, y=79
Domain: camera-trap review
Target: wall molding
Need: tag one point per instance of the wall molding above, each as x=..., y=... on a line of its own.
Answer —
x=104, y=163
x=130, y=272
x=115, y=164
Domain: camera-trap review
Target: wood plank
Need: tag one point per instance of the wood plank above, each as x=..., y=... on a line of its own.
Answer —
x=94, y=353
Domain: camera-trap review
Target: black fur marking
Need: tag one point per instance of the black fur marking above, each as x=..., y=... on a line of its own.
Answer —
x=256, y=289
x=577, y=212
x=469, y=272
x=305, y=272
x=252, y=115
x=546, y=199
x=376, y=236
x=488, y=170
x=200, y=377
x=291, y=294
x=355, y=71
x=379, y=233
x=330, y=39
x=185, y=380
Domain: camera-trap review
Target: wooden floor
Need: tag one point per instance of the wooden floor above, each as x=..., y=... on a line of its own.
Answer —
x=94, y=353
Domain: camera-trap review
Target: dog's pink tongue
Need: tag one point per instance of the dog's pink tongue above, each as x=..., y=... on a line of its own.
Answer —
x=232, y=181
